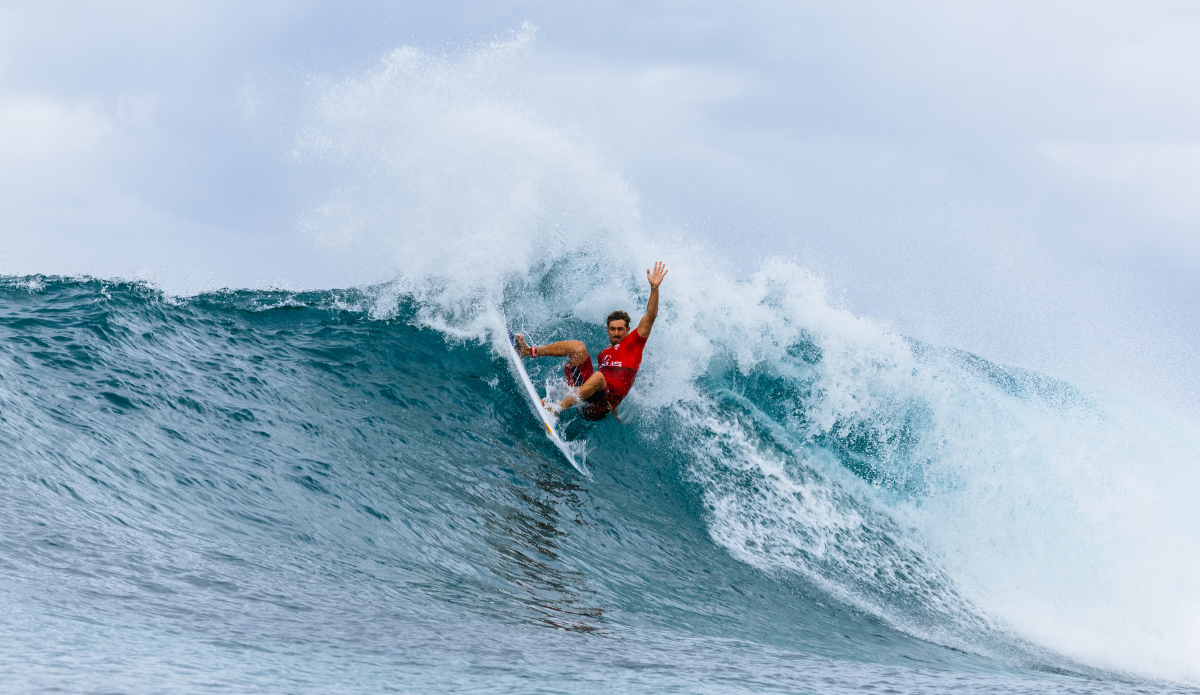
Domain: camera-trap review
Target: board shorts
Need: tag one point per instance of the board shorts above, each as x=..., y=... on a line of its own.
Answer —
x=596, y=407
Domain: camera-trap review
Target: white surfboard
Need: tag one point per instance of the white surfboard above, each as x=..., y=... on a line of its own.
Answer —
x=549, y=422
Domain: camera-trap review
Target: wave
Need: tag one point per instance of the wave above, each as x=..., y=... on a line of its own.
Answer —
x=251, y=461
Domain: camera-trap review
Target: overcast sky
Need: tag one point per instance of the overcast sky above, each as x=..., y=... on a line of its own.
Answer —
x=1018, y=179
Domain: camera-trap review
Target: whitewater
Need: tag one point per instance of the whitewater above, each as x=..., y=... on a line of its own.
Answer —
x=341, y=489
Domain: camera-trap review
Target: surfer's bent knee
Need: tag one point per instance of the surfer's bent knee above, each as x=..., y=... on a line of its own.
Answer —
x=595, y=384
x=578, y=352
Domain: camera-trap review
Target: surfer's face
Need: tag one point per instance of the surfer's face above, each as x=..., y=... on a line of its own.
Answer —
x=617, y=330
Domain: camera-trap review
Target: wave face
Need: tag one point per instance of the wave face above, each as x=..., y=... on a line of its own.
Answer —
x=319, y=492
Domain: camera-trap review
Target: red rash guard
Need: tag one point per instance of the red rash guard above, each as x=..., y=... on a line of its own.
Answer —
x=619, y=364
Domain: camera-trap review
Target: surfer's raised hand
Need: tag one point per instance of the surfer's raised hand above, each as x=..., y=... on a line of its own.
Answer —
x=522, y=349
x=656, y=278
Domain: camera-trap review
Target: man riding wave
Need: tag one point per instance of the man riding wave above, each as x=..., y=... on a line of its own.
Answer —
x=599, y=391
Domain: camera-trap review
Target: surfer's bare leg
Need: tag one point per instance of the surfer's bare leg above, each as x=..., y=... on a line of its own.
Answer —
x=577, y=354
x=573, y=349
x=594, y=384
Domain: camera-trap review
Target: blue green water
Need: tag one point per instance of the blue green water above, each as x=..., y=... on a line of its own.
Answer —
x=290, y=492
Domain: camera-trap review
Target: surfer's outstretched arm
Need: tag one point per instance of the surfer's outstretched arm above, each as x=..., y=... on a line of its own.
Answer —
x=574, y=349
x=655, y=279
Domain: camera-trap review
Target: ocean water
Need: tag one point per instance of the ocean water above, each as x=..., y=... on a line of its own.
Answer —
x=342, y=491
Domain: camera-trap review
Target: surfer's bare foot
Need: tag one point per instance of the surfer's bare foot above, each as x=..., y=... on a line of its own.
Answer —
x=522, y=349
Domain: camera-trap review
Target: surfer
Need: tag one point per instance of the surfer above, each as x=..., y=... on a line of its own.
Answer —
x=599, y=391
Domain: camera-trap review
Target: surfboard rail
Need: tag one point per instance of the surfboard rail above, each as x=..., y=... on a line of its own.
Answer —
x=548, y=419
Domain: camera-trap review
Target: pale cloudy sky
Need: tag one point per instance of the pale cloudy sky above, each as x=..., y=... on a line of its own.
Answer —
x=1015, y=178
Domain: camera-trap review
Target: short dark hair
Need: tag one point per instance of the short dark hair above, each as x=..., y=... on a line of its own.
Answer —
x=619, y=315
